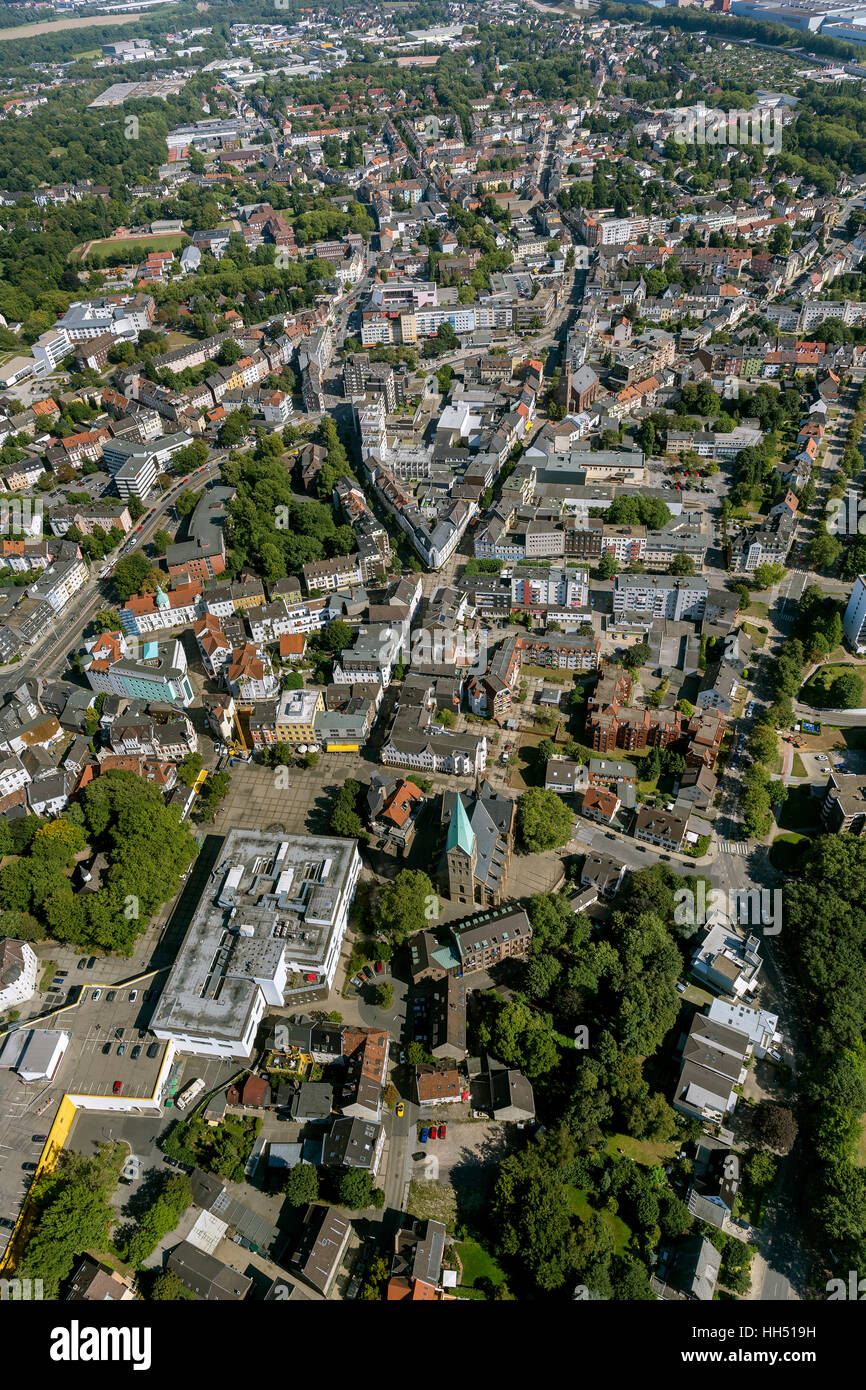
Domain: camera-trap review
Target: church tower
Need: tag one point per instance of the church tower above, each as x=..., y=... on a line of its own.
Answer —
x=460, y=855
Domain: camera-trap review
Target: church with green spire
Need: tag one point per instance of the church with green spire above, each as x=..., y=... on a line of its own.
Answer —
x=479, y=843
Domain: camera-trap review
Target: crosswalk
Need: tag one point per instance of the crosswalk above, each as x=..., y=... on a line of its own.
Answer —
x=733, y=847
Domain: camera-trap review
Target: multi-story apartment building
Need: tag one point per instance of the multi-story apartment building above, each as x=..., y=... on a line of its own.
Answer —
x=854, y=621
x=659, y=596
x=549, y=588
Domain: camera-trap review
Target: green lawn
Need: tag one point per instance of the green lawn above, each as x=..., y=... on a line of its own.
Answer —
x=581, y=1207
x=817, y=688
x=799, y=810
x=477, y=1264
x=646, y=1151
x=785, y=852
x=133, y=248
x=798, y=767
x=49, y=969
x=755, y=610
x=549, y=673
x=757, y=634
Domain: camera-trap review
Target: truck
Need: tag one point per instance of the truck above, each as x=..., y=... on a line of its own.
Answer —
x=189, y=1093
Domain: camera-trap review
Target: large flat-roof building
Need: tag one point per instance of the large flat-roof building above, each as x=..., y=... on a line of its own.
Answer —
x=267, y=931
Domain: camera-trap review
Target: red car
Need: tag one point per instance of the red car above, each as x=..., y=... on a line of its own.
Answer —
x=117, y=1087
x=379, y=967
x=442, y=1131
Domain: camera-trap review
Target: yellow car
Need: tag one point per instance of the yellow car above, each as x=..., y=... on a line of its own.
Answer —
x=401, y=1110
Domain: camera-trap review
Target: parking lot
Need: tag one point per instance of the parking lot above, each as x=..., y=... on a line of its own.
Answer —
x=468, y=1157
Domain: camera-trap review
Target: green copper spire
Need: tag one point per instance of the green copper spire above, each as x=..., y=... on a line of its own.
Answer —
x=460, y=832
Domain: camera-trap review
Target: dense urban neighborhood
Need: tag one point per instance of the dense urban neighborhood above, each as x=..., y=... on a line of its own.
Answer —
x=433, y=651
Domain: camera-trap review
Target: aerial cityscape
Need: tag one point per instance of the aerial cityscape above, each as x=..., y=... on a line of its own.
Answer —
x=433, y=653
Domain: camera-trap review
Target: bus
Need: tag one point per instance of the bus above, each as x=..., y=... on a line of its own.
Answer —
x=189, y=1093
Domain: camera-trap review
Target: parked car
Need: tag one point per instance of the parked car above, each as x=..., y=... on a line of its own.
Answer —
x=379, y=967
x=368, y=972
x=97, y=994
x=681, y=989
x=136, y=1052
x=29, y=1167
x=39, y=1139
x=91, y=962
x=117, y=1088
x=106, y=1049
x=133, y=995
x=401, y=1110
x=443, y=1129
x=61, y=974
x=121, y=1049
x=82, y=964
x=423, y=1136
x=118, y=1032
x=153, y=1049
x=111, y=996
x=5, y=1221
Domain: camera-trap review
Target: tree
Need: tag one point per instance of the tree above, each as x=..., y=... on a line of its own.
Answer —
x=302, y=1185
x=823, y=550
x=166, y=1287
x=404, y=905
x=776, y=1126
x=846, y=691
x=336, y=636
x=682, y=564
x=355, y=1189
x=107, y=620
x=446, y=338
x=635, y=656
x=189, y=768
x=607, y=565
x=162, y=539
x=767, y=575
x=229, y=353
x=129, y=575
x=384, y=996
x=545, y=821
x=185, y=502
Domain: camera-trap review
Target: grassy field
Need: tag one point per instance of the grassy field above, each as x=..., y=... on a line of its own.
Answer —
x=132, y=247
x=757, y=634
x=755, y=610
x=646, y=1151
x=785, y=852
x=816, y=691
x=176, y=340
x=579, y=1202
x=524, y=769
x=798, y=767
x=549, y=673
x=56, y=26
x=477, y=1264
x=799, y=810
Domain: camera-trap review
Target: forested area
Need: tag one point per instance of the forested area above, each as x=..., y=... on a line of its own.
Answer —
x=148, y=850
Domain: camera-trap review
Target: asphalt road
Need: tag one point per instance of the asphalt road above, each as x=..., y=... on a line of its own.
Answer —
x=48, y=657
